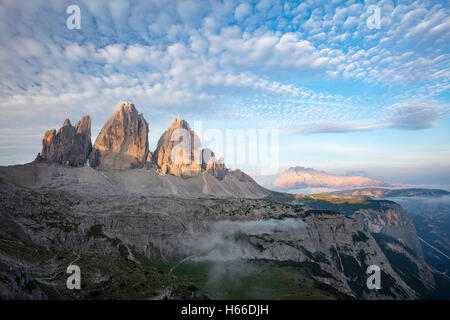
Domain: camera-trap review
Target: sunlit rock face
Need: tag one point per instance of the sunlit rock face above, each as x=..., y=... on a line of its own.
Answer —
x=211, y=164
x=299, y=177
x=122, y=142
x=71, y=145
x=179, y=150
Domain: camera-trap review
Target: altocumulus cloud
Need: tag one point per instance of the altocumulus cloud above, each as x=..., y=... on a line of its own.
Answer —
x=194, y=58
x=408, y=116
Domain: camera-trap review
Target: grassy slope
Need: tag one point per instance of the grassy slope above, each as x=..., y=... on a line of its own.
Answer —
x=102, y=276
x=259, y=279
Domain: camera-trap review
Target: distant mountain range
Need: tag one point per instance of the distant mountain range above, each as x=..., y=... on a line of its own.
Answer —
x=116, y=208
x=300, y=177
x=391, y=193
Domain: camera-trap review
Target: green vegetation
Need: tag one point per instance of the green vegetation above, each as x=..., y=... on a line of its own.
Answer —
x=382, y=240
x=109, y=277
x=102, y=276
x=401, y=263
x=254, y=279
x=406, y=268
x=95, y=231
x=337, y=260
x=320, y=212
x=347, y=206
x=360, y=237
x=330, y=198
x=354, y=272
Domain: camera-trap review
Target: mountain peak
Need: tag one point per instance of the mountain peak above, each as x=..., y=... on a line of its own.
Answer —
x=127, y=107
x=67, y=123
x=301, y=177
x=84, y=126
x=177, y=156
x=187, y=153
x=123, y=141
x=69, y=146
x=123, y=144
x=179, y=123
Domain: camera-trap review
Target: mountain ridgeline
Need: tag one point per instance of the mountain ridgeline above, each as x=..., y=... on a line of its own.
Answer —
x=300, y=177
x=176, y=223
x=123, y=144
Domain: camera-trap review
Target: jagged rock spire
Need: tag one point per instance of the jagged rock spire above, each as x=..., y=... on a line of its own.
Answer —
x=122, y=142
x=69, y=146
x=179, y=150
x=211, y=164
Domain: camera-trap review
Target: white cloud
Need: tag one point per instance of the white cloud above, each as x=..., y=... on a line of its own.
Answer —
x=192, y=55
x=242, y=11
x=408, y=115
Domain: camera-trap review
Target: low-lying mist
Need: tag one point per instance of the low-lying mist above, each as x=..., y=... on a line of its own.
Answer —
x=424, y=206
x=224, y=255
x=228, y=240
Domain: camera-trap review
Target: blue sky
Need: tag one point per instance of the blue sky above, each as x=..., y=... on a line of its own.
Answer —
x=344, y=96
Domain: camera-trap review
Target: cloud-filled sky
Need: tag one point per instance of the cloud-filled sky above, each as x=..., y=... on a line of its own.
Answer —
x=344, y=95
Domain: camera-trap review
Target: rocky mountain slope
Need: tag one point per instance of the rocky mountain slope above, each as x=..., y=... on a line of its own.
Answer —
x=179, y=166
x=147, y=182
x=394, y=232
x=335, y=248
x=300, y=177
x=179, y=150
x=429, y=209
x=69, y=146
x=127, y=208
x=431, y=216
x=123, y=141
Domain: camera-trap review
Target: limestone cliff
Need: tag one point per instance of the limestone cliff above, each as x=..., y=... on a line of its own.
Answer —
x=179, y=150
x=69, y=146
x=122, y=142
x=211, y=164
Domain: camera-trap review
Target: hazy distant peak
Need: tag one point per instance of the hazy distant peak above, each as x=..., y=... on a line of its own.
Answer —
x=300, y=169
x=301, y=177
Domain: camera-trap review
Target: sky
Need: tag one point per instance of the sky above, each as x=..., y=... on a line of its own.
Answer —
x=344, y=90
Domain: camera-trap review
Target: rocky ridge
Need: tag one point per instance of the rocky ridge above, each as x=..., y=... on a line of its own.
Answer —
x=334, y=247
x=123, y=144
x=123, y=141
x=299, y=177
x=393, y=230
x=71, y=145
x=134, y=206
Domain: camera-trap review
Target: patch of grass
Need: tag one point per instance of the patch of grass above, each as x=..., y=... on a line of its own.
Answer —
x=253, y=279
x=109, y=277
x=330, y=198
